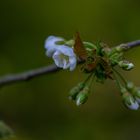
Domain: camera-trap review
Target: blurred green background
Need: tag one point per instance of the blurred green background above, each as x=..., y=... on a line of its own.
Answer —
x=39, y=109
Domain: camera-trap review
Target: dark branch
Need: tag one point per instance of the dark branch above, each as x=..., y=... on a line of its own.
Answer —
x=133, y=44
x=13, y=78
x=130, y=45
x=9, y=79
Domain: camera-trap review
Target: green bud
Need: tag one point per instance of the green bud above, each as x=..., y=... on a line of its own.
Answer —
x=82, y=97
x=130, y=86
x=121, y=47
x=126, y=65
x=116, y=50
x=129, y=101
x=123, y=90
x=106, y=51
x=134, y=90
x=69, y=43
x=127, y=97
x=75, y=90
x=89, y=46
x=115, y=58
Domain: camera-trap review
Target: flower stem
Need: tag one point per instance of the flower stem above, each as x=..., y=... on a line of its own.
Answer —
x=116, y=80
x=91, y=81
x=121, y=77
x=90, y=75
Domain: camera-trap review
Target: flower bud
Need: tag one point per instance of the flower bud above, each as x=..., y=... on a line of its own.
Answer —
x=70, y=43
x=119, y=48
x=115, y=57
x=82, y=97
x=75, y=90
x=129, y=101
x=126, y=65
x=89, y=46
x=130, y=86
x=123, y=90
x=106, y=51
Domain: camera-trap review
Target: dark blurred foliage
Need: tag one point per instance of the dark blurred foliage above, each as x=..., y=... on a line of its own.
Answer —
x=39, y=109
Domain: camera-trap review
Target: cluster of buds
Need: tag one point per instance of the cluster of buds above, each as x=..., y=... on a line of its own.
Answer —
x=98, y=60
x=116, y=58
x=79, y=93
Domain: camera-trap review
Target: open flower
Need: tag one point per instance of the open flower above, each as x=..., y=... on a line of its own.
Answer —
x=64, y=56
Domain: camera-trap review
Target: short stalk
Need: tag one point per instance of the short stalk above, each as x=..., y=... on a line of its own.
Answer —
x=121, y=77
x=117, y=81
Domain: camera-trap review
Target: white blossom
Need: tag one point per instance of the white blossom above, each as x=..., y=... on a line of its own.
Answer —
x=63, y=55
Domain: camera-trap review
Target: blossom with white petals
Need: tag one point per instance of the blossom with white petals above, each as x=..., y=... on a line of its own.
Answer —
x=63, y=55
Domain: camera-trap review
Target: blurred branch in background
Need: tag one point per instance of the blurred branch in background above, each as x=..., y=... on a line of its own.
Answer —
x=25, y=76
x=5, y=131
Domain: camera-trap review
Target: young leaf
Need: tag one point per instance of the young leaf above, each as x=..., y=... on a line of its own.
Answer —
x=79, y=47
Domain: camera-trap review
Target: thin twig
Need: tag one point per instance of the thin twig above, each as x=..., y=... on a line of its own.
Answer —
x=14, y=78
x=25, y=76
x=130, y=45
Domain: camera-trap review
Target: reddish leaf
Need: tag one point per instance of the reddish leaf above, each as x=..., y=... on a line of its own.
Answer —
x=79, y=47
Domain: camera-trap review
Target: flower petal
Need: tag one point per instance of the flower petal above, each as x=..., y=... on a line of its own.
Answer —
x=51, y=46
x=66, y=64
x=66, y=50
x=57, y=59
x=50, y=52
x=50, y=41
x=72, y=63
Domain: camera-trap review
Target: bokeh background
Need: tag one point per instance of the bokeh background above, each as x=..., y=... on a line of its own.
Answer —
x=39, y=109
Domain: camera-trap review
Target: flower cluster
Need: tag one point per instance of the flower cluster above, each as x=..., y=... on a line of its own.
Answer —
x=99, y=62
